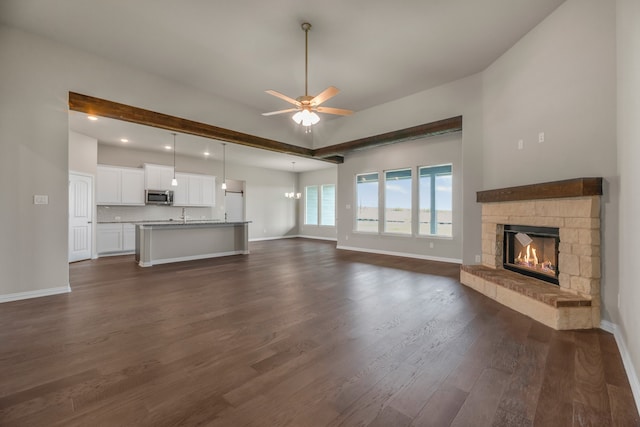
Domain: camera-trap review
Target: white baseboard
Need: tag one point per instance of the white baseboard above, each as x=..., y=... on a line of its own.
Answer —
x=262, y=239
x=34, y=294
x=632, y=374
x=402, y=254
x=331, y=239
x=107, y=254
x=190, y=258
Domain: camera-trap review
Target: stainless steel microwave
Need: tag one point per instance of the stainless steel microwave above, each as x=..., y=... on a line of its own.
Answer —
x=159, y=197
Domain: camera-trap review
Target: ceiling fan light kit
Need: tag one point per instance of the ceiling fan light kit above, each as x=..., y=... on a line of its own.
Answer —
x=306, y=118
x=308, y=106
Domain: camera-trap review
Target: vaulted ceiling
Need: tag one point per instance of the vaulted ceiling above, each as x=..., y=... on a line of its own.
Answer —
x=374, y=51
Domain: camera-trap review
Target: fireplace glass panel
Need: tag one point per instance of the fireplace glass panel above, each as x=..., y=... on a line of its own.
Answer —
x=532, y=251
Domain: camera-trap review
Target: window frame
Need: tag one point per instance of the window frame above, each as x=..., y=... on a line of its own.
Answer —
x=321, y=205
x=435, y=170
x=356, y=207
x=306, y=205
x=410, y=195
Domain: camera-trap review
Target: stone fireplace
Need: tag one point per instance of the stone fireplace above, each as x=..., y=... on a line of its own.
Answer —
x=532, y=251
x=541, y=251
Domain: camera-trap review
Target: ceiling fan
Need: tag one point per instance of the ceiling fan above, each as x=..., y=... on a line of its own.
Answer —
x=306, y=105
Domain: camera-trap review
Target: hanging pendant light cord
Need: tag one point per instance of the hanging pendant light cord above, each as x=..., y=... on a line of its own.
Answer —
x=224, y=166
x=174, y=156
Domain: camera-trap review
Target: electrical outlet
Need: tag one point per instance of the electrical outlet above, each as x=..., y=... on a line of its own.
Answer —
x=541, y=137
x=520, y=144
x=431, y=245
x=116, y=218
x=478, y=258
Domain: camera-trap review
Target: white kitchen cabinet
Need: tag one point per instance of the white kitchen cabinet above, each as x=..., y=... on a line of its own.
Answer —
x=181, y=191
x=108, y=185
x=209, y=190
x=119, y=186
x=194, y=190
x=109, y=238
x=132, y=186
x=158, y=177
x=116, y=238
x=128, y=237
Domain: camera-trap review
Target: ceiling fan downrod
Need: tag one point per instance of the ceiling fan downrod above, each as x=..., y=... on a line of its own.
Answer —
x=306, y=27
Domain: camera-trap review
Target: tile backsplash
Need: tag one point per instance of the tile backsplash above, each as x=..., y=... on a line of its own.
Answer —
x=152, y=213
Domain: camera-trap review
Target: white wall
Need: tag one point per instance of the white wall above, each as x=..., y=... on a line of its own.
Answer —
x=271, y=214
x=318, y=177
x=628, y=126
x=462, y=97
x=83, y=153
x=119, y=156
x=433, y=151
x=36, y=76
x=266, y=206
x=559, y=79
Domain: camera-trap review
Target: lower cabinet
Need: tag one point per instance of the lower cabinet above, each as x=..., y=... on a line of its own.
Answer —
x=116, y=238
x=128, y=237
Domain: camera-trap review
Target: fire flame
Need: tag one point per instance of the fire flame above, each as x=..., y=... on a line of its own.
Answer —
x=531, y=259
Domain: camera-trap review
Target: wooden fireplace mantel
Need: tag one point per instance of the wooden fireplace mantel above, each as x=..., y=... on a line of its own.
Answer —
x=578, y=187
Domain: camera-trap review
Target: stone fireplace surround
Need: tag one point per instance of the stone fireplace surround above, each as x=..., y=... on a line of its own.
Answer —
x=573, y=206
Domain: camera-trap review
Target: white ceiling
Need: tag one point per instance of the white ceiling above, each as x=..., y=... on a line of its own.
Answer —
x=110, y=132
x=374, y=51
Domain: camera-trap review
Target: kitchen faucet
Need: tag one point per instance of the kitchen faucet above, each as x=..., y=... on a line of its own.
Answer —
x=184, y=215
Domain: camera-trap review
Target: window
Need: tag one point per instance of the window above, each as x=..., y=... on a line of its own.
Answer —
x=311, y=205
x=397, y=201
x=436, y=213
x=328, y=204
x=367, y=199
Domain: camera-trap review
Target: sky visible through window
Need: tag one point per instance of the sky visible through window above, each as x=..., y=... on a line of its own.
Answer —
x=398, y=194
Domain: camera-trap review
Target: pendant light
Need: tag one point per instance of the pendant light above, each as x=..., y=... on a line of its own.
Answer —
x=224, y=166
x=293, y=195
x=174, y=181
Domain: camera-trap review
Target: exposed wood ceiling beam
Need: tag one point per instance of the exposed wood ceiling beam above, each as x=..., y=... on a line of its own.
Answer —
x=333, y=153
x=114, y=110
x=453, y=124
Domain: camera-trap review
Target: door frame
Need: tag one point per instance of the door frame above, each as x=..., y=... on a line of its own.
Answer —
x=94, y=254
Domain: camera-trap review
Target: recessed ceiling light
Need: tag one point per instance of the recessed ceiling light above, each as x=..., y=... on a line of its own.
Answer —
x=124, y=140
x=206, y=153
x=167, y=147
x=92, y=118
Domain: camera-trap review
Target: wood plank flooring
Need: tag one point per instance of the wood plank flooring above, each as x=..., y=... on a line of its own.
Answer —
x=296, y=334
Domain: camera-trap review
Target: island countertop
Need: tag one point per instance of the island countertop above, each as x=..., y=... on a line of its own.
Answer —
x=162, y=242
x=188, y=223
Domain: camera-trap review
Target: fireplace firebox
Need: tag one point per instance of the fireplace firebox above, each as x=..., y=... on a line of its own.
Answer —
x=532, y=251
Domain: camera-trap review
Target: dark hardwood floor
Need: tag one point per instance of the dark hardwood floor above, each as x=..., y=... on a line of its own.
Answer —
x=296, y=334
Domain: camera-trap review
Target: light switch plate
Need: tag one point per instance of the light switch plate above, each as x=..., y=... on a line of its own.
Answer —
x=40, y=200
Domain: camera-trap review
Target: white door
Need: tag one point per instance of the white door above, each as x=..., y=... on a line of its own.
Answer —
x=80, y=216
x=234, y=206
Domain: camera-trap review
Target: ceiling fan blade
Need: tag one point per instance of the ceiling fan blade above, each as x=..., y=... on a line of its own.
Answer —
x=338, y=111
x=273, y=113
x=326, y=94
x=284, y=97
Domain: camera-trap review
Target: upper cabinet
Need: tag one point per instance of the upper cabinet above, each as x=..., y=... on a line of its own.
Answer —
x=157, y=177
x=119, y=186
x=126, y=186
x=194, y=190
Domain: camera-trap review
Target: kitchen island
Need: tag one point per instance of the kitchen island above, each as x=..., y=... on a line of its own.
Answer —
x=175, y=241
